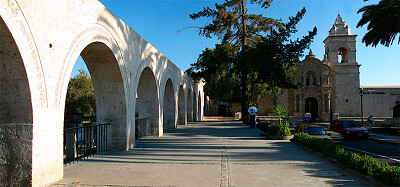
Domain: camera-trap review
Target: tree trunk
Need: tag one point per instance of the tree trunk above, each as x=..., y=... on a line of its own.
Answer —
x=242, y=63
x=245, y=102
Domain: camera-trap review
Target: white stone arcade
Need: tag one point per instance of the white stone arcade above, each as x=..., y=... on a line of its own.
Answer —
x=40, y=43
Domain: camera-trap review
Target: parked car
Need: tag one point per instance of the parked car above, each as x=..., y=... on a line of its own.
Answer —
x=335, y=136
x=315, y=131
x=349, y=128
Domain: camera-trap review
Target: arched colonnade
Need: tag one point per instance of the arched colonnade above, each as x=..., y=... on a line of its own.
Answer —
x=40, y=43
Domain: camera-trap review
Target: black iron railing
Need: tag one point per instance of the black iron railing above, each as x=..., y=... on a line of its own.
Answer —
x=84, y=141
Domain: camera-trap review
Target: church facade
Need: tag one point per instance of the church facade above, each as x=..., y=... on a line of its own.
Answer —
x=331, y=86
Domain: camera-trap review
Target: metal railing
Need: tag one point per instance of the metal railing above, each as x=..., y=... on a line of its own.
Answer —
x=84, y=141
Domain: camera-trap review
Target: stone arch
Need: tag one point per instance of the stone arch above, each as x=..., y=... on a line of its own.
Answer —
x=103, y=58
x=189, y=110
x=311, y=106
x=169, y=106
x=109, y=90
x=396, y=111
x=88, y=35
x=181, y=106
x=147, y=103
x=16, y=113
x=342, y=55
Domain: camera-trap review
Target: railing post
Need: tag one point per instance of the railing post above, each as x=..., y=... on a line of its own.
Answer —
x=84, y=142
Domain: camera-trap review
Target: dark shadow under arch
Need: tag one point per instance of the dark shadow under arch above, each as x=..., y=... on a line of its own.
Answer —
x=109, y=91
x=16, y=114
x=181, y=106
x=147, y=104
x=189, y=106
x=169, y=106
x=311, y=106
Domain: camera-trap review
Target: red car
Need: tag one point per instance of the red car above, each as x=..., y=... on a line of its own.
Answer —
x=349, y=128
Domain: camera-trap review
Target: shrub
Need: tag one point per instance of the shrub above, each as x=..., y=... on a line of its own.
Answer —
x=279, y=130
x=363, y=163
x=246, y=119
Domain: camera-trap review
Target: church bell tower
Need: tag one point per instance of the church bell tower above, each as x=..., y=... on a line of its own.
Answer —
x=340, y=51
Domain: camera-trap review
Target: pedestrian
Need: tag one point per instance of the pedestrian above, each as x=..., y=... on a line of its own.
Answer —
x=370, y=122
x=252, y=112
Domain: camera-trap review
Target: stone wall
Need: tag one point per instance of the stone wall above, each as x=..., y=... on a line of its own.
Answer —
x=15, y=154
x=380, y=101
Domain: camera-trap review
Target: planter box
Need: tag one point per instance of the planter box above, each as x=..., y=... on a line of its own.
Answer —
x=269, y=137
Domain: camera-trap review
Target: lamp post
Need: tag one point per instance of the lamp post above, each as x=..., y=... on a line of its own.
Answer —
x=362, y=112
x=77, y=118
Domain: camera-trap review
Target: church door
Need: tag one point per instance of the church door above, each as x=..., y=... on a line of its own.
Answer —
x=312, y=107
x=396, y=111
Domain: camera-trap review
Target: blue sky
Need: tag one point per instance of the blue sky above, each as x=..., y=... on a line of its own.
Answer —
x=158, y=21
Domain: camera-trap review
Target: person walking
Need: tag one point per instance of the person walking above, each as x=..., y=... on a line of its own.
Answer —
x=370, y=122
x=252, y=112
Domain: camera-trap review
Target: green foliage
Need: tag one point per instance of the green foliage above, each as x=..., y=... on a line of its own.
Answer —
x=80, y=95
x=279, y=111
x=255, y=56
x=279, y=130
x=273, y=58
x=364, y=164
x=216, y=66
x=227, y=20
x=384, y=22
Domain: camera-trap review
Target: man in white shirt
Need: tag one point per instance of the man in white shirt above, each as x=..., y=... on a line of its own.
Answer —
x=252, y=112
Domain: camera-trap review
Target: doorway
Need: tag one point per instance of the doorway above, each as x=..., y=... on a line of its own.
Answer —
x=396, y=111
x=312, y=107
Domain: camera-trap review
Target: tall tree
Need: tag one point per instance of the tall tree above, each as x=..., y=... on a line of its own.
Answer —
x=80, y=95
x=384, y=22
x=273, y=57
x=232, y=24
x=260, y=64
x=216, y=66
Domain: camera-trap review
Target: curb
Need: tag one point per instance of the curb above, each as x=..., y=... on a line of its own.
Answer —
x=370, y=179
x=384, y=141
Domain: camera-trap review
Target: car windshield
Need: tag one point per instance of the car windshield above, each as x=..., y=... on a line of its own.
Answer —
x=350, y=124
x=314, y=130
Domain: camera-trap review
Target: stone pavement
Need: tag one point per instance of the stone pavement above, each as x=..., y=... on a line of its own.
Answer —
x=208, y=154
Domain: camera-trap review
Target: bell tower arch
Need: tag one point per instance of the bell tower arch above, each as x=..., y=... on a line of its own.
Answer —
x=340, y=51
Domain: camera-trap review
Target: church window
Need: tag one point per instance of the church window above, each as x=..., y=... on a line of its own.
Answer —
x=342, y=55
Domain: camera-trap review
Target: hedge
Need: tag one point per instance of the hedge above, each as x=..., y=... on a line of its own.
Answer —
x=362, y=163
x=279, y=130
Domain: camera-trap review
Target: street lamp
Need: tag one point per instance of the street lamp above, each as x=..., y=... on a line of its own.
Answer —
x=362, y=112
x=77, y=118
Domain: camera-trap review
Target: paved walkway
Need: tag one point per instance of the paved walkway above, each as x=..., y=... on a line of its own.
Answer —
x=208, y=154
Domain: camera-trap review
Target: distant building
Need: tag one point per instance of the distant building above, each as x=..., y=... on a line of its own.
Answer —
x=332, y=85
